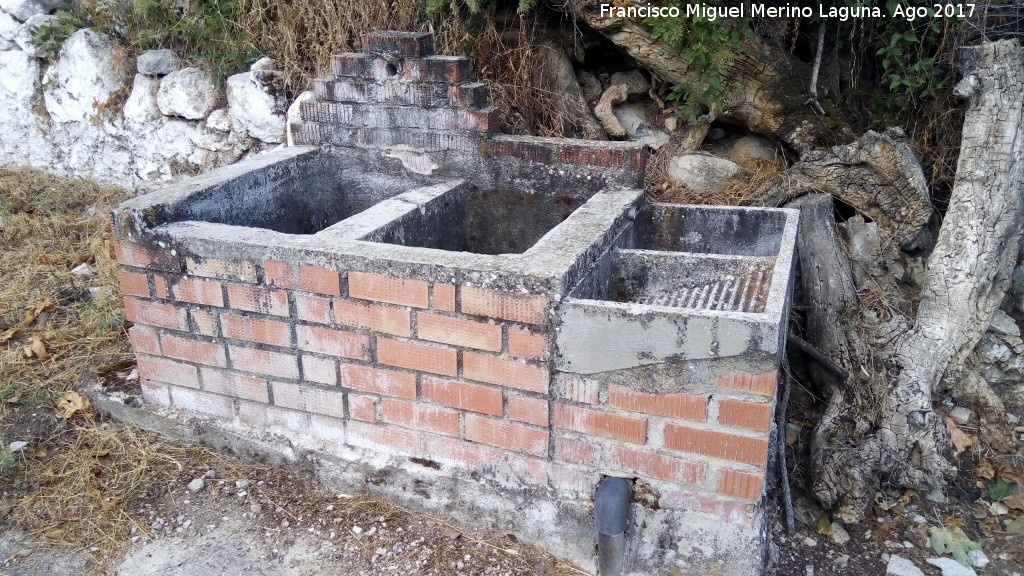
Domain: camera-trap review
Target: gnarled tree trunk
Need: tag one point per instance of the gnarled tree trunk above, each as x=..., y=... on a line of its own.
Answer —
x=967, y=275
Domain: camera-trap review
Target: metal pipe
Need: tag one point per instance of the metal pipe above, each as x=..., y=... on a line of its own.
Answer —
x=611, y=509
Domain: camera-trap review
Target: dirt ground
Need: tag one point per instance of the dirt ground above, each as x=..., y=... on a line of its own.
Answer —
x=84, y=495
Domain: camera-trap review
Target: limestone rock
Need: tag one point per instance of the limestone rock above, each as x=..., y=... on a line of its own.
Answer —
x=703, y=173
x=8, y=29
x=157, y=62
x=255, y=108
x=636, y=119
x=90, y=70
x=141, y=105
x=22, y=10
x=294, y=118
x=900, y=566
x=951, y=567
x=751, y=147
x=590, y=87
x=1003, y=325
x=219, y=120
x=636, y=83
x=20, y=78
x=189, y=93
x=23, y=37
x=263, y=64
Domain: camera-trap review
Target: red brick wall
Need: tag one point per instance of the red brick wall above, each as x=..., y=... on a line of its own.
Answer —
x=457, y=374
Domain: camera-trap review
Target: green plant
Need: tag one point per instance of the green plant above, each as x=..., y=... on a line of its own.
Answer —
x=48, y=37
x=705, y=45
x=6, y=458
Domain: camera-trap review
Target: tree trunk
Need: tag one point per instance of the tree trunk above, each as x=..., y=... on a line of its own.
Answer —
x=890, y=427
x=764, y=89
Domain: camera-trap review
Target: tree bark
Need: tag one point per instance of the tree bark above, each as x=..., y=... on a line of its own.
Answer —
x=763, y=87
x=883, y=423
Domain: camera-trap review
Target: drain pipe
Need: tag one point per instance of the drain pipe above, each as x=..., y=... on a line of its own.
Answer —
x=610, y=509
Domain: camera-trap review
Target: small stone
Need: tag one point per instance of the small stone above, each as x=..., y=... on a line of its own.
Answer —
x=82, y=269
x=839, y=534
x=636, y=83
x=210, y=474
x=17, y=446
x=951, y=567
x=241, y=483
x=357, y=530
x=1004, y=325
x=809, y=569
x=842, y=560
x=960, y=415
x=196, y=485
x=264, y=64
x=900, y=566
x=157, y=62
x=978, y=558
x=808, y=541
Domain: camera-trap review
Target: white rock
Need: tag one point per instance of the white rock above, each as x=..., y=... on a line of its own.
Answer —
x=256, y=108
x=839, y=534
x=8, y=29
x=82, y=269
x=17, y=446
x=293, y=112
x=90, y=70
x=752, y=147
x=900, y=566
x=25, y=9
x=635, y=81
x=636, y=120
x=141, y=105
x=219, y=120
x=978, y=558
x=960, y=414
x=19, y=80
x=263, y=64
x=702, y=172
x=951, y=567
x=101, y=292
x=1004, y=325
x=23, y=37
x=157, y=62
x=196, y=485
x=189, y=93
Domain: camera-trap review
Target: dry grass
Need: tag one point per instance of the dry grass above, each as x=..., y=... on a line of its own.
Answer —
x=748, y=190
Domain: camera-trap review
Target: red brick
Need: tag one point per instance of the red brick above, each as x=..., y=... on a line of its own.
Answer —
x=258, y=299
x=417, y=357
x=259, y=330
x=362, y=407
x=503, y=372
x=745, y=414
x=198, y=291
x=133, y=284
x=536, y=152
x=205, y=322
x=383, y=382
x=167, y=372
x=142, y=257
x=464, y=455
x=506, y=435
x=264, y=416
x=313, y=308
x=530, y=410
x=235, y=385
x=577, y=451
x=738, y=513
x=144, y=340
x=686, y=406
x=161, y=288
x=625, y=428
x=309, y=399
x=741, y=484
x=373, y=317
x=420, y=416
x=264, y=362
x=198, y=351
x=763, y=383
x=196, y=401
x=155, y=393
x=331, y=342
x=380, y=288
x=386, y=438
x=320, y=370
x=302, y=277
x=458, y=332
x=156, y=314
x=444, y=297
x=243, y=270
x=661, y=467
x=566, y=479
x=462, y=396
x=578, y=388
x=526, y=344
x=716, y=444
x=493, y=304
